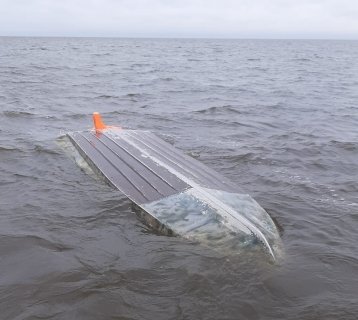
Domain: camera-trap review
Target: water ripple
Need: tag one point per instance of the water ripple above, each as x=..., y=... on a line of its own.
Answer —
x=277, y=117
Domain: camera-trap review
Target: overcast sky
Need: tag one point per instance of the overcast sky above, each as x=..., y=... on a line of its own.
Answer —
x=334, y=19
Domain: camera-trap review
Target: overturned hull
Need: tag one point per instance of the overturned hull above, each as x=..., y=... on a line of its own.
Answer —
x=175, y=191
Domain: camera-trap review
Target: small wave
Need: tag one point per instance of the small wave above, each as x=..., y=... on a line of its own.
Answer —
x=349, y=187
x=7, y=148
x=346, y=145
x=14, y=73
x=331, y=258
x=256, y=68
x=128, y=95
x=16, y=114
x=213, y=110
x=140, y=65
x=118, y=112
x=24, y=176
x=135, y=95
x=34, y=66
x=78, y=116
x=268, y=124
x=101, y=54
x=26, y=81
x=107, y=96
x=302, y=59
x=42, y=149
x=236, y=158
x=29, y=240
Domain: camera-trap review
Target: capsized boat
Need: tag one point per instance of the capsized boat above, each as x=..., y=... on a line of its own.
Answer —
x=174, y=192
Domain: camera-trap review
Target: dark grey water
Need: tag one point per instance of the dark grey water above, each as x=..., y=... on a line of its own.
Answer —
x=279, y=118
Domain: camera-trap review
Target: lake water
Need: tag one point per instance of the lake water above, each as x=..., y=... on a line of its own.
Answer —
x=277, y=117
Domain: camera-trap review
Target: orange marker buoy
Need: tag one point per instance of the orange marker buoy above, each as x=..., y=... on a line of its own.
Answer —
x=97, y=122
x=99, y=125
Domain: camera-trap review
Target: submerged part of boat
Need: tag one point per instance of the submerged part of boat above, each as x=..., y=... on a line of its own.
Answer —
x=175, y=192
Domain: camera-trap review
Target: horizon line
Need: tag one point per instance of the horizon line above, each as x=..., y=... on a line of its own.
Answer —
x=180, y=37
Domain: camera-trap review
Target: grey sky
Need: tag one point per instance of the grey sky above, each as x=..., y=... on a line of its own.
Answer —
x=181, y=18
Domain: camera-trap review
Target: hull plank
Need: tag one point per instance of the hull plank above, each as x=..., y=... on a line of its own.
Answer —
x=136, y=163
x=123, y=166
x=183, y=164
